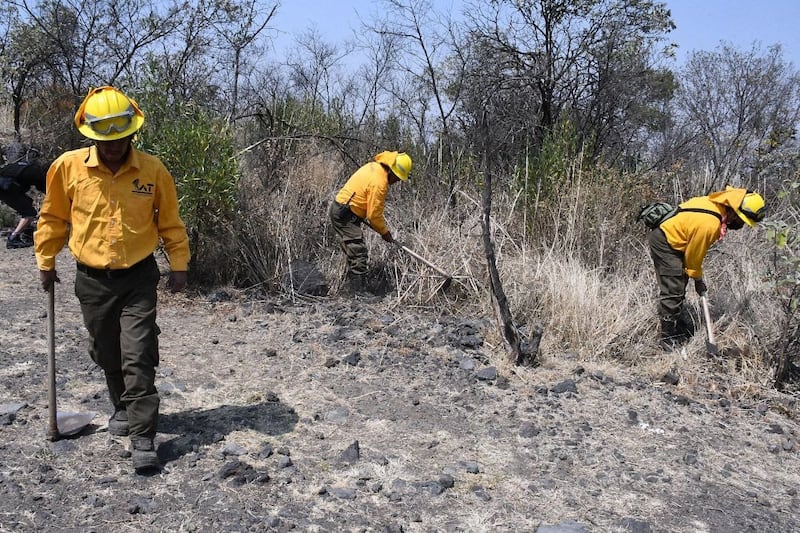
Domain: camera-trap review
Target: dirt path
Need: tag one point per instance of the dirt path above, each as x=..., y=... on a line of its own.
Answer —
x=334, y=416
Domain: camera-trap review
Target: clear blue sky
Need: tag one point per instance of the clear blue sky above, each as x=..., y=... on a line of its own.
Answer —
x=701, y=24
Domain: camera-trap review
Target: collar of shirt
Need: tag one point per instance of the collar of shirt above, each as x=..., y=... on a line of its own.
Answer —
x=93, y=159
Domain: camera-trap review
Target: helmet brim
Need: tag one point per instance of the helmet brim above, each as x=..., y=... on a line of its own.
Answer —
x=750, y=222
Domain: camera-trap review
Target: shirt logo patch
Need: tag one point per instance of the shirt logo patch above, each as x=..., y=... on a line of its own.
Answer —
x=142, y=188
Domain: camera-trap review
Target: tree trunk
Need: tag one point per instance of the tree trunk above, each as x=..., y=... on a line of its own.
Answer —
x=520, y=351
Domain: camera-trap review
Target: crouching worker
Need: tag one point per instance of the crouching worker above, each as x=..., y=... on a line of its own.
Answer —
x=16, y=179
x=114, y=203
x=363, y=198
x=679, y=245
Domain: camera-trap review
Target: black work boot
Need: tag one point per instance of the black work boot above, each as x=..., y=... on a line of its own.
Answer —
x=143, y=454
x=19, y=240
x=118, y=423
x=358, y=283
x=671, y=338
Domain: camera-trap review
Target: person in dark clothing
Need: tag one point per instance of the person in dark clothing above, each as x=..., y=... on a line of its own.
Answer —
x=16, y=179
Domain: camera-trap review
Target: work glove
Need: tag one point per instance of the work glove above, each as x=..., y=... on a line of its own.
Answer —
x=700, y=286
x=48, y=278
x=176, y=281
x=387, y=237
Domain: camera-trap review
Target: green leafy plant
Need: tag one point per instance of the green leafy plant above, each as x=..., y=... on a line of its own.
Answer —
x=785, y=276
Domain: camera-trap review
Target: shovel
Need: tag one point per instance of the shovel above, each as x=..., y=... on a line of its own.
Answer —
x=448, y=279
x=65, y=423
x=711, y=346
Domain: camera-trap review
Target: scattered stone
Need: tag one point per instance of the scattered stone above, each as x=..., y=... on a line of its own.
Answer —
x=481, y=493
x=635, y=526
x=447, y=481
x=528, y=430
x=431, y=487
x=565, y=386
x=229, y=469
x=352, y=359
x=284, y=461
x=467, y=363
x=671, y=378
x=233, y=449
x=775, y=428
x=351, y=454
x=305, y=278
x=331, y=362
x=343, y=493
x=487, y=373
x=337, y=416
x=266, y=450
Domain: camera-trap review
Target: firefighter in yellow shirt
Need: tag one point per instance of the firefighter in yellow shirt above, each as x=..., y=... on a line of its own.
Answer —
x=680, y=244
x=111, y=204
x=362, y=199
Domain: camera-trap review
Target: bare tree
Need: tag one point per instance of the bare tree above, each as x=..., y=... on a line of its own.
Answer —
x=240, y=23
x=734, y=104
x=569, y=59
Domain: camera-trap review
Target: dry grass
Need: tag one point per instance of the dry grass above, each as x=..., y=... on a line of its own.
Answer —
x=579, y=266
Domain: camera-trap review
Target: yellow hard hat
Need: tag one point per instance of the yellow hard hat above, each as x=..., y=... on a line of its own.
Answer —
x=752, y=209
x=401, y=166
x=106, y=114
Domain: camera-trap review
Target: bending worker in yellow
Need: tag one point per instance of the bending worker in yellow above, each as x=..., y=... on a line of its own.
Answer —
x=679, y=245
x=114, y=203
x=362, y=198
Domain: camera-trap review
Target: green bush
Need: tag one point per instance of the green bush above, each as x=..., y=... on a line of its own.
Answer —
x=198, y=149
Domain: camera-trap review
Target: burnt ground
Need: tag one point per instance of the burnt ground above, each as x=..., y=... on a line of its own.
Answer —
x=329, y=414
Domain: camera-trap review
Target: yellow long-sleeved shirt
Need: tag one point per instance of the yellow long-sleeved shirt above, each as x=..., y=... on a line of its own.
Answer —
x=693, y=233
x=365, y=192
x=113, y=221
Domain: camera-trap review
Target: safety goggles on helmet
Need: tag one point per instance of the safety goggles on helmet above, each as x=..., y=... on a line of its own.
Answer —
x=116, y=123
x=752, y=209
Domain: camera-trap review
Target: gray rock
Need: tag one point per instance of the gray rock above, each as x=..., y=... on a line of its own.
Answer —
x=337, y=416
x=481, y=493
x=636, y=526
x=10, y=408
x=304, y=277
x=467, y=363
x=266, y=450
x=487, y=373
x=351, y=454
x=567, y=385
x=233, y=449
x=343, y=493
x=352, y=359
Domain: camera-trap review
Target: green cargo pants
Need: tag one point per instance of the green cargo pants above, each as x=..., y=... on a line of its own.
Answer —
x=672, y=277
x=351, y=238
x=119, y=313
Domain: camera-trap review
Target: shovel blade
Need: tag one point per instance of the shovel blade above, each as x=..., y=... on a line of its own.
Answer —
x=711, y=349
x=72, y=423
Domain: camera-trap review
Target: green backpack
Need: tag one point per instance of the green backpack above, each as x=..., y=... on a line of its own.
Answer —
x=654, y=214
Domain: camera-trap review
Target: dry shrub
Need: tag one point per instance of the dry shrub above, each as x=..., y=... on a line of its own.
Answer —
x=285, y=212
